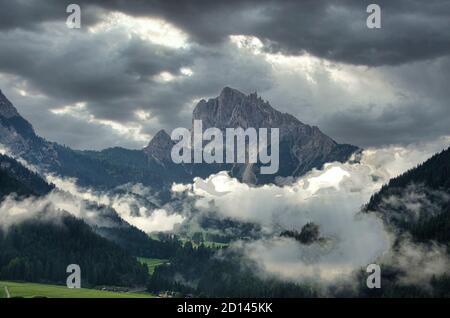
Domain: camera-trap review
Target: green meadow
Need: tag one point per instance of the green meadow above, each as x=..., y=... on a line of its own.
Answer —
x=30, y=290
x=152, y=263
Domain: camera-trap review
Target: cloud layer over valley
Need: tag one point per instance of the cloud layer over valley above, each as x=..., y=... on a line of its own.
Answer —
x=331, y=198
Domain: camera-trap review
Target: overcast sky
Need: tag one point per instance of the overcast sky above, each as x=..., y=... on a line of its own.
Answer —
x=135, y=67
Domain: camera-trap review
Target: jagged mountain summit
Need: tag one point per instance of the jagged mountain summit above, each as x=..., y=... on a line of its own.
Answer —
x=302, y=147
x=233, y=108
x=159, y=147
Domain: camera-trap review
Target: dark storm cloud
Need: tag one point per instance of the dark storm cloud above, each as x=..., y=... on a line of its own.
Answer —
x=420, y=113
x=411, y=29
x=404, y=125
x=29, y=14
x=109, y=71
x=213, y=68
x=115, y=80
x=115, y=74
x=64, y=129
x=84, y=65
x=336, y=30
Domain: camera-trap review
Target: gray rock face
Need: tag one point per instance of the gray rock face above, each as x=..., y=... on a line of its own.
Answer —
x=302, y=147
x=19, y=137
x=20, y=143
x=233, y=109
x=10, y=124
x=160, y=147
x=7, y=110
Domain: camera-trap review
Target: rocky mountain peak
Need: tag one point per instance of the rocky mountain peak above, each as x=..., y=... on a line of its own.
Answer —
x=160, y=146
x=7, y=109
x=233, y=108
x=302, y=147
x=228, y=93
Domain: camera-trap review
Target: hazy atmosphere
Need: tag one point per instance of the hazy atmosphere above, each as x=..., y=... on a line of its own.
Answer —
x=135, y=160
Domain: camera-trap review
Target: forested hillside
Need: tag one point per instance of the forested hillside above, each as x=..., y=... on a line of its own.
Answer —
x=208, y=272
x=434, y=173
x=15, y=178
x=39, y=247
x=40, y=251
x=418, y=201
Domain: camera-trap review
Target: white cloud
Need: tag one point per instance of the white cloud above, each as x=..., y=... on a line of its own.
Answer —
x=155, y=30
x=131, y=130
x=127, y=204
x=331, y=198
x=13, y=211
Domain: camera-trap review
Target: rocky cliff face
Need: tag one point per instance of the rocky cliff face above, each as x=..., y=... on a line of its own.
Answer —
x=8, y=115
x=160, y=147
x=7, y=110
x=19, y=137
x=234, y=109
x=302, y=147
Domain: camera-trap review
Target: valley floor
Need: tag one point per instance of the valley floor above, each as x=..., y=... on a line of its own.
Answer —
x=30, y=290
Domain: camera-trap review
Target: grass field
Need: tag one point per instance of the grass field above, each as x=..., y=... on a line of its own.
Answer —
x=214, y=244
x=209, y=244
x=152, y=263
x=29, y=290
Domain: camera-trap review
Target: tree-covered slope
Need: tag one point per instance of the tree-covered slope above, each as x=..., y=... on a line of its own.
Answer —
x=15, y=178
x=418, y=201
x=38, y=246
x=39, y=250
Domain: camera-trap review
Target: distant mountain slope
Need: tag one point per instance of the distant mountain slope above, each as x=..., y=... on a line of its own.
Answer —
x=302, y=147
x=418, y=201
x=39, y=250
x=40, y=247
x=15, y=178
x=100, y=169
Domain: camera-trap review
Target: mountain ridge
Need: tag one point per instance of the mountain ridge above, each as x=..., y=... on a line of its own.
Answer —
x=7, y=109
x=302, y=147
